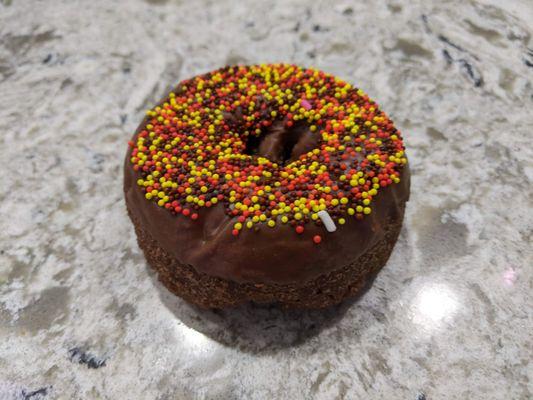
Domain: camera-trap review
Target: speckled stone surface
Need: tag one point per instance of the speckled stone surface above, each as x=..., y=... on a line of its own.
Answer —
x=81, y=315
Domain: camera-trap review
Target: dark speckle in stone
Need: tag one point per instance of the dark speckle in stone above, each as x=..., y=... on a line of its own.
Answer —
x=122, y=311
x=126, y=310
x=528, y=59
x=96, y=161
x=63, y=275
x=71, y=186
x=80, y=356
x=47, y=309
x=421, y=396
x=484, y=301
x=19, y=44
x=395, y=8
x=472, y=72
x=35, y=394
x=447, y=56
x=47, y=59
x=425, y=21
x=435, y=133
x=444, y=39
x=412, y=49
x=19, y=270
x=319, y=28
x=66, y=83
x=348, y=11
x=489, y=34
x=123, y=118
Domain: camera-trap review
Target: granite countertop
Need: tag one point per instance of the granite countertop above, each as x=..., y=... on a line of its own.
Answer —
x=83, y=317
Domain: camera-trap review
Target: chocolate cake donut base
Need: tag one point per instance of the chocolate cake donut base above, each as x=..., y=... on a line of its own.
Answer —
x=213, y=292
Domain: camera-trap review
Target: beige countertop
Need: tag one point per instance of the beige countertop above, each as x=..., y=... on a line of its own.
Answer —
x=81, y=315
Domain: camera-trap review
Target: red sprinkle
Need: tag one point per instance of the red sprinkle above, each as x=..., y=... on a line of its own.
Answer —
x=317, y=239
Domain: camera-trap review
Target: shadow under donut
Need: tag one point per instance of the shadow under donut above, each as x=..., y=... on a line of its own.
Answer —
x=255, y=328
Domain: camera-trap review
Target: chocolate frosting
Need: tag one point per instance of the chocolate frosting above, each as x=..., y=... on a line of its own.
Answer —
x=281, y=144
x=263, y=254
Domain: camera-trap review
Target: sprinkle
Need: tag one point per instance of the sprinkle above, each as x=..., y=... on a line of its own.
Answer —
x=328, y=222
x=305, y=104
x=317, y=239
x=299, y=229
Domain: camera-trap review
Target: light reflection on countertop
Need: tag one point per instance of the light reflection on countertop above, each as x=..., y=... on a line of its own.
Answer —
x=509, y=276
x=194, y=341
x=433, y=305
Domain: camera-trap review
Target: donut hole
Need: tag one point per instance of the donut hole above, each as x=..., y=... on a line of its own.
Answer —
x=282, y=144
x=252, y=144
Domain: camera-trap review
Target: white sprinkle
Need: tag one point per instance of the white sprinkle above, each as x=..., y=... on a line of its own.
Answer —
x=328, y=222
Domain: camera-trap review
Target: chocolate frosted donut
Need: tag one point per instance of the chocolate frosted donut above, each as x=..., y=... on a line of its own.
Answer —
x=266, y=183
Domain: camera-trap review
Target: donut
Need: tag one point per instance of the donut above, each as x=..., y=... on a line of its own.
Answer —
x=268, y=183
